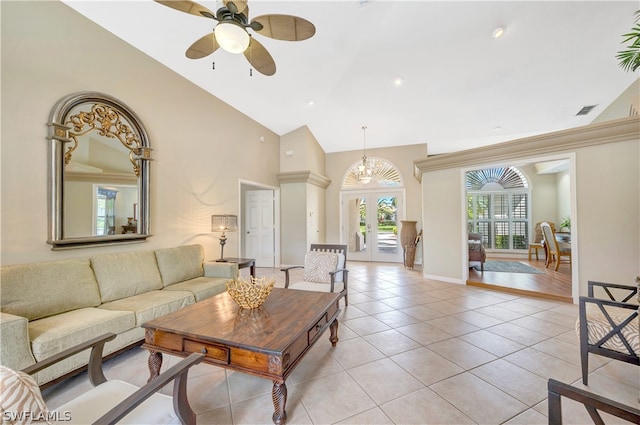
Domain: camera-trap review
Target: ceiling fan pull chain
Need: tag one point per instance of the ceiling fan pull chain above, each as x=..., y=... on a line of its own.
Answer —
x=250, y=72
x=213, y=65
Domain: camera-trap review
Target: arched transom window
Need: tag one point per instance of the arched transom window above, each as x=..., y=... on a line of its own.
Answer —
x=384, y=174
x=498, y=207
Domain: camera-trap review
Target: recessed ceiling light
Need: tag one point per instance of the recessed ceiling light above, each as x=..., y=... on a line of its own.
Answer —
x=311, y=103
x=499, y=31
x=398, y=81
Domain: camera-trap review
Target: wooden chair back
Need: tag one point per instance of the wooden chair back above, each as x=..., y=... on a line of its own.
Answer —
x=338, y=249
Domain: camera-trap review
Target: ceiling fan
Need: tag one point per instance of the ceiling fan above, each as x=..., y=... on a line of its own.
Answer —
x=231, y=32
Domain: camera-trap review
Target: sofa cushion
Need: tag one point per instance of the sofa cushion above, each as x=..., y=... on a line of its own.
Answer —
x=126, y=274
x=180, y=263
x=56, y=333
x=44, y=289
x=201, y=287
x=151, y=305
x=317, y=266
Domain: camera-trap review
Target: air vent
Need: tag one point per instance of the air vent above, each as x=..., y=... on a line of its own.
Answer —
x=585, y=110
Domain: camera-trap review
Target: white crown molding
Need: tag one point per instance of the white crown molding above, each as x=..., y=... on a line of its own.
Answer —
x=560, y=141
x=304, y=177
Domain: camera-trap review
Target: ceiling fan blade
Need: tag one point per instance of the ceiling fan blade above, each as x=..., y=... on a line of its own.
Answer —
x=284, y=27
x=236, y=6
x=203, y=47
x=187, y=6
x=259, y=58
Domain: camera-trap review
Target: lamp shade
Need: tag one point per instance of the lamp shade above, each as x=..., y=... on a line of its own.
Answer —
x=231, y=37
x=224, y=223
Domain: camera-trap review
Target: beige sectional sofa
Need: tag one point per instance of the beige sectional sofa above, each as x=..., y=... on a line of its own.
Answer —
x=48, y=307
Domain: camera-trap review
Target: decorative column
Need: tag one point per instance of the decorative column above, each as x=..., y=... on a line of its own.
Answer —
x=408, y=233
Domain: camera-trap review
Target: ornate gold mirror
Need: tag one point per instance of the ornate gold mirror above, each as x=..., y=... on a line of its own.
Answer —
x=98, y=173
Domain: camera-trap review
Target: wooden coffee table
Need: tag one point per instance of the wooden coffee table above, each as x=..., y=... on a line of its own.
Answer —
x=268, y=342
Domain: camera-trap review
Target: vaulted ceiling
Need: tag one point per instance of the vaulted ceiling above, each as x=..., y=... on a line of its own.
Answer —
x=460, y=87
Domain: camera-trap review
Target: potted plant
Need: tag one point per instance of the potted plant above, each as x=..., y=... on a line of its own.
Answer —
x=630, y=57
x=566, y=224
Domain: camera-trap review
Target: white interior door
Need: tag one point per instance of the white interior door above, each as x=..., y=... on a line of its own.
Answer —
x=370, y=223
x=260, y=227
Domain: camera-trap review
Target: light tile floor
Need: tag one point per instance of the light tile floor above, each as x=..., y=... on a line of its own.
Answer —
x=411, y=351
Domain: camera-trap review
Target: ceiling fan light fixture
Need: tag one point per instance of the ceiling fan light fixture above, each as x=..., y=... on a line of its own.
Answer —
x=232, y=37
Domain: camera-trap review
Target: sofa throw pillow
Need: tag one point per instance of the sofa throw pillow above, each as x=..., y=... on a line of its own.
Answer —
x=20, y=398
x=317, y=266
x=180, y=263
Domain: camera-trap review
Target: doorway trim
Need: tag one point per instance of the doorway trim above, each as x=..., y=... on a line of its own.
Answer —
x=251, y=185
x=518, y=162
x=400, y=191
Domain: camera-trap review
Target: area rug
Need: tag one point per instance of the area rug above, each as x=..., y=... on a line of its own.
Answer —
x=507, y=267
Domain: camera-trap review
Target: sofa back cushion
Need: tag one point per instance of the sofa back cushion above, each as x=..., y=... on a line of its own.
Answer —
x=44, y=289
x=126, y=274
x=180, y=263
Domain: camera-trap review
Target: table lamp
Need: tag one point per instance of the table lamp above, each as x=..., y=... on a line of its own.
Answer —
x=223, y=223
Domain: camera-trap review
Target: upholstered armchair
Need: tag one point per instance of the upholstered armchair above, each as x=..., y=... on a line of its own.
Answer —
x=324, y=270
x=477, y=254
x=609, y=323
x=108, y=402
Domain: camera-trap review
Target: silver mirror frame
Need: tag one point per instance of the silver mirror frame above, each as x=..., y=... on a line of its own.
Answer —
x=58, y=136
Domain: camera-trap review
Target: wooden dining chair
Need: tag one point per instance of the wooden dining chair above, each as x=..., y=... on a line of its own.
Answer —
x=555, y=250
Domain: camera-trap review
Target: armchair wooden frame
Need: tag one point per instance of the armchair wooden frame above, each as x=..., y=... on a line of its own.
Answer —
x=586, y=347
x=177, y=373
x=592, y=402
x=338, y=249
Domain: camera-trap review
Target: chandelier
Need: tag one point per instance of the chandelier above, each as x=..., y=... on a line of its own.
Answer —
x=365, y=170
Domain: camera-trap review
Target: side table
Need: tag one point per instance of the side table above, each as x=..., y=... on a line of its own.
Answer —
x=243, y=263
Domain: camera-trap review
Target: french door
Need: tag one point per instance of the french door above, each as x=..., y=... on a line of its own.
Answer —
x=370, y=225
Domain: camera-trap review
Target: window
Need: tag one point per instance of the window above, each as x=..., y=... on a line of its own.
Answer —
x=498, y=207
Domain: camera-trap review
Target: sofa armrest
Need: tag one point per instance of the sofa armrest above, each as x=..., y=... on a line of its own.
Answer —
x=220, y=269
x=15, y=346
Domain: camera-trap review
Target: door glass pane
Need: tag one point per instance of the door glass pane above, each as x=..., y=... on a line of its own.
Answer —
x=356, y=214
x=387, y=224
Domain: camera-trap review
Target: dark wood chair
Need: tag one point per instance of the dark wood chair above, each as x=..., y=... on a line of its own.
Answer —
x=609, y=327
x=108, y=402
x=322, y=273
x=592, y=402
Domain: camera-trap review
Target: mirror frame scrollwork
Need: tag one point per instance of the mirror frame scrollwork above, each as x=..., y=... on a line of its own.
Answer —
x=107, y=117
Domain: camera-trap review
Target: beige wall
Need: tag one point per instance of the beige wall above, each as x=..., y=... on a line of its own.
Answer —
x=627, y=104
x=606, y=187
x=299, y=150
x=202, y=147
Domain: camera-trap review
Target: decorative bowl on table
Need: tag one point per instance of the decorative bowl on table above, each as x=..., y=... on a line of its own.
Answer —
x=250, y=292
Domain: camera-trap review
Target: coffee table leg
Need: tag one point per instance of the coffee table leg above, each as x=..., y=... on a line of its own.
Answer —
x=334, y=333
x=155, y=363
x=279, y=396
